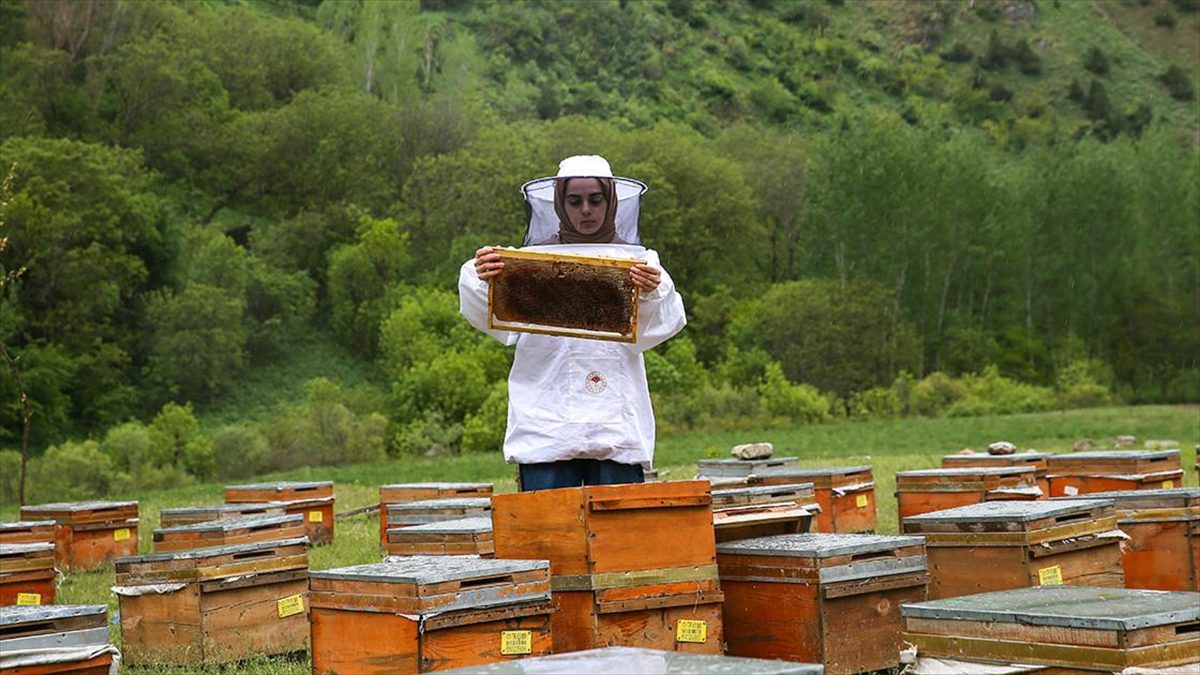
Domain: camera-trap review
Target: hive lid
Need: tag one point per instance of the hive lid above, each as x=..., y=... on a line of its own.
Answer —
x=817, y=544
x=438, y=486
x=442, y=504
x=223, y=508
x=25, y=547
x=227, y=524
x=1066, y=606
x=984, y=455
x=1008, y=511
x=813, y=471
x=75, y=506
x=1116, y=454
x=430, y=569
x=1119, y=496
x=282, y=485
x=641, y=661
x=766, y=461
x=211, y=551
x=12, y=615
x=971, y=471
x=804, y=489
x=456, y=526
x=25, y=525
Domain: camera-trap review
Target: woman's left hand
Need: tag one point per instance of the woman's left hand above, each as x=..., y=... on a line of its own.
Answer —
x=645, y=277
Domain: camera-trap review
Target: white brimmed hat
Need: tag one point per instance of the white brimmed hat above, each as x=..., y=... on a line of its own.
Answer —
x=539, y=195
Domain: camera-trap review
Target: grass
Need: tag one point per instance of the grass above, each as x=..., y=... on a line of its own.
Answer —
x=889, y=446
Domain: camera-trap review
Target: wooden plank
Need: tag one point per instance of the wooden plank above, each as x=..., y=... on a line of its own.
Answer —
x=480, y=643
x=1089, y=658
x=542, y=525
x=873, y=619
x=352, y=642
x=762, y=622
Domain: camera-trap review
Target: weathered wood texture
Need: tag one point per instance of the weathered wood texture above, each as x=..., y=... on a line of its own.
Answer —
x=642, y=616
x=846, y=494
x=229, y=532
x=734, y=468
x=453, y=537
x=1078, y=473
x=27, y=574
x=88, y=535
x=415, y=492
x=800, y=597
x=190, y=515
x=314, y=500
x=1037, y=460
x=27, y=532
x=929, y=490
x=763, y=511
x=26, y=628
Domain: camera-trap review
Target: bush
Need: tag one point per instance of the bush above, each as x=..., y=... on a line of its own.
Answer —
x=879, y=403
x=1028, y=62
x=934, y=394
x=958, y=53
x=1096, y=61
x=989, y=393
x=1178, y=83
x=1000, y=94
x=484, y=430
x=73, y=472
x=240, y=450
x=798, y=402
x=1184, y=387
x=718, y=407
x=1165, y=18
x=430, y=435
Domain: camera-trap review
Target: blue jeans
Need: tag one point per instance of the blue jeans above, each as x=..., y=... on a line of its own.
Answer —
x=576, y=472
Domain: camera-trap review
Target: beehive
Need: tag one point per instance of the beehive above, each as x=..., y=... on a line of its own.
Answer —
x=1079, y=473
x=451, y=537
x=88, y=534
x=800, y=597
x=631, y=565
x=638, y=660
x=740, y=468
x=928, y=490
x=846, y=494
x=55, y=639
x=214, y=605
x=426, y=613
x=1037, y=460
x=202, y=514
x=314, y=500
x=416, y=492
x=995, y=546
x=228, y=532
x=1163, y=551
x=1076, y=628
x=27, y=532
x=27, y=574
x=407, y=514
x=764, y=510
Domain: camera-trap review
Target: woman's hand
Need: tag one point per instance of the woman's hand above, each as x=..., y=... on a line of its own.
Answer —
x=645, y=277
x=487, y=263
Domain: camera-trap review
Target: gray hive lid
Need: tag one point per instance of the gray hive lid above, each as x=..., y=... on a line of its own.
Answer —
x=768, y=490
x=1008, y=511
x=77, y=506
x=971, y=471
x=817, y=544
x=456, y=526
x=985, y=455
x=1067, y=606
x=282, y=485
x=227, y=524
x=442, y=504
x=220, y=509
x=1165, y=495
x=430, y=569
x=25, y=525
x=20, y=614
x=641, y=661
x=813, y=471
x=765, y=461
x=25, y=547
x=438, y=486
x=1117, y=454
x=211, y=551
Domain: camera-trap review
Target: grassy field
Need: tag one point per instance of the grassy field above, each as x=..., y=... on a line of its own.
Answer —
x=889, y=446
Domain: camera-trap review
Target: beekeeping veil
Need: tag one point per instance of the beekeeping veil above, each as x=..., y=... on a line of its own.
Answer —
x=544, y=220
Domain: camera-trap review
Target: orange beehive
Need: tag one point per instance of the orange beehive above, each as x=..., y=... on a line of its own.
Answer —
x=994, y=546
x=228, y=532
x=202, y=514
x=425, y=613
x=27, y=532
x=88, y=534
x=1037, y=460
x=824, y=598
x=416, y=492
x=846, y=494
x=214, y=605
x=55, y=639
x=1078, y=473
x=314, y=500
x=631, y=565
x=928, y=490
x=1163, y=551
x=764, y=510
x=27, y=574
x=451, y=537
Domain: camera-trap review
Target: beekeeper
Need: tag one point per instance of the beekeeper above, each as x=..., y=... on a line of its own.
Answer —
x=579, y=409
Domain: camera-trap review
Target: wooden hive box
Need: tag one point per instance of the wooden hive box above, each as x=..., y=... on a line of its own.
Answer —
x=763, y=511
x=88, y=534
x=928, y=490
x=1064, y=628
x=846, y=494
x=1077, y=473
x=407, y=514
x=188, y=515
x=228, y=532
x=740, y=468
x=644, y=661
x=995, y=546
x=27, y=532
x=1037, y=460
x=426, y=613
x=214, y=605
x=799, y=597
x=1163, y=551
x=416, y=492
x=55, y=639
x=464, y=536
x=631, y=565
x=314, y=499
x=27, y=574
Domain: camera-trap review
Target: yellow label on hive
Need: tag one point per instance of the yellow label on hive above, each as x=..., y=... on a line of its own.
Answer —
x=121, y=534
x=29, y=598
x=1168, y=484
x=689, y=630
x=293, y=604
x=516, y=642
x=861, y=501
x=315, y=516
x=1050, y=576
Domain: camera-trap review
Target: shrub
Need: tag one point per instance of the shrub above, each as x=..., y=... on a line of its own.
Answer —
x=177, y=441
x=798, y=402
x=1184, y=387
x=997, y=53
x=990, y=393
x=719, y=407
x=1178, y=83
x=1000, y=94
x=430, y=435
x=484, y=430
x=72, y=472
x=958, y=53
x=1096, y=61
x=934, y=394
x=1028, y=62
x=1075, y=92
x=1165, y=18
x=239, y=451
x=878, y=403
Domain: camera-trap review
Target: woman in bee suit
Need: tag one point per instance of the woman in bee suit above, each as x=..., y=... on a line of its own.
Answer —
x=579, y=409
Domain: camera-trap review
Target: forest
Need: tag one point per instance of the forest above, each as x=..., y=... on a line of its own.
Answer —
x=872, y=210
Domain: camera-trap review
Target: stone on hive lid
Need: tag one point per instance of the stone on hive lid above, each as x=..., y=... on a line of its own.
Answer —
x=1001, y=448
x=752, y=450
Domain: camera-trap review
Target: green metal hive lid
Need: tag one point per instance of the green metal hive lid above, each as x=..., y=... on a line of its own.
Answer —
x=1067, y=607
x=1008, y=511
x=641, y=661
x=430, y=569
x=818, y=544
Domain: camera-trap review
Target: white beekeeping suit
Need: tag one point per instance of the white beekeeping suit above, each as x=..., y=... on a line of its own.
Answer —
x=571, y=398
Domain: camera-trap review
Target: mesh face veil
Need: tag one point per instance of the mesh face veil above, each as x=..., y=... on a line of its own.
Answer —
x=544, y=219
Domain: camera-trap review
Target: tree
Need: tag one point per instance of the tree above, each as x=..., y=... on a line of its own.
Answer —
x=196, y=341
x=360, y=275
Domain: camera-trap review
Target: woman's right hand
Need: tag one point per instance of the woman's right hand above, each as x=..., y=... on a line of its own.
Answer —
x=487, y=263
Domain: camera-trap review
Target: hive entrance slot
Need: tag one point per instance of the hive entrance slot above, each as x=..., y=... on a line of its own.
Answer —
x=253, y=554
x=1193, y=627
x=27, y=628
x=873, y=555
x=486, y=581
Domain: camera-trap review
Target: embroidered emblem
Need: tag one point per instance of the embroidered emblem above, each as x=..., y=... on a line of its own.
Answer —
x=595, y=382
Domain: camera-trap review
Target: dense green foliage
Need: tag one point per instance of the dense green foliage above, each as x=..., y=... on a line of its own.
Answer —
x=872, y=210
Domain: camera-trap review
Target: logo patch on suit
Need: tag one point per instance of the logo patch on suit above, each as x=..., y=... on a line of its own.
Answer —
x=595, y=382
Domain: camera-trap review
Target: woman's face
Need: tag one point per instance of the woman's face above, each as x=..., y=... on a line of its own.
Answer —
x=585, y=204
